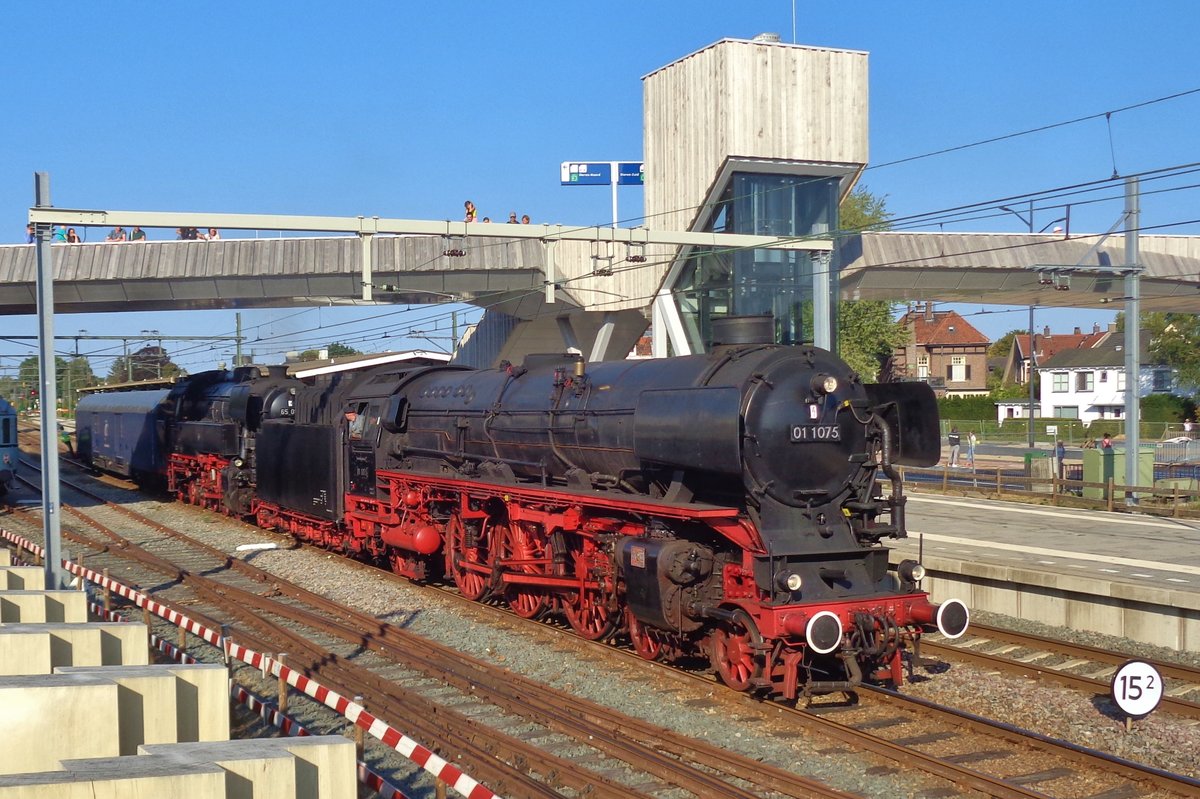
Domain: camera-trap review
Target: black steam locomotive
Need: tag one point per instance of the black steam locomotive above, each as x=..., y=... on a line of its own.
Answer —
x=726, y=505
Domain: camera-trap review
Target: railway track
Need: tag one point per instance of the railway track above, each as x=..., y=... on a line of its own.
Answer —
x=629, y=757
x=970, y=751
x=1085, y=668
x=987, y=757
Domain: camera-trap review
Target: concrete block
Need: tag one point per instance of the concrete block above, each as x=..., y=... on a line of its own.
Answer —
x=1152, y=624
x=1061, y=596
x=54, y=716
x=1097, y=614
x=94, y=644
x=1045, y=605
x=997, y=597
x=22, y=578
x=199, y=700
x=117, y=778
x=322, y=767
x=1189, y=632
x=35, y=607
x=202, y=698
x=25, y=652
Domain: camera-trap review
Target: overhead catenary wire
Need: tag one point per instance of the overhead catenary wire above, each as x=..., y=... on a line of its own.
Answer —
x=908, y=222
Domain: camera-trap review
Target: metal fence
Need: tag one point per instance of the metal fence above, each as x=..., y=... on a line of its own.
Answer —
x=1177, y=452
x=1180, y=499
x=1073, y=432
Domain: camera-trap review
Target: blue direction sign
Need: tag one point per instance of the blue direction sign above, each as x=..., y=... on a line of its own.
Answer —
x=631, y=173
x=576, y=173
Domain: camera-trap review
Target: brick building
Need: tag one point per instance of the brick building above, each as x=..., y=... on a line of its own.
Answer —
x=944, y=350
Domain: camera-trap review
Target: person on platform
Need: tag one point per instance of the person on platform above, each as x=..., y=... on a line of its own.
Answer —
x=512, y=218
x=1060, y=455
x=137, y=234
x=1106, y=443
x=955, y=442
x=73, y=237
x=30, y=235
x=487, y=219
x=65, y=436
x=470, y=211
x=972, y=440
x=60, y=235
x=118, y=234
x=524, y=219
x=212, y=235
x=1188, y=426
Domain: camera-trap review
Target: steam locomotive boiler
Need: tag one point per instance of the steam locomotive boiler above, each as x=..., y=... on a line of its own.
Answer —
x=212, y=420
x=726, y=505
x=196, y=438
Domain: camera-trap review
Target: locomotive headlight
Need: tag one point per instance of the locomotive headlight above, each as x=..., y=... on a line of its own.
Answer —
x=789, y=581
x=824, y=384
x=910, y=571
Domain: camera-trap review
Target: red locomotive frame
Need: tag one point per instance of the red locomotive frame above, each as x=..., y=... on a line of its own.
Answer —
x=543, y=551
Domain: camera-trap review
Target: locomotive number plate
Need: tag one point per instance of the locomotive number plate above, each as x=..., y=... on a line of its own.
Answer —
x=816, y=432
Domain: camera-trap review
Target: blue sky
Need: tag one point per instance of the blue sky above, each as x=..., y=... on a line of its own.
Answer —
x=405, y=110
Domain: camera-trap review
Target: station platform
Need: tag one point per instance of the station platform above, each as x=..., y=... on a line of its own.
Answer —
x=1122, y=574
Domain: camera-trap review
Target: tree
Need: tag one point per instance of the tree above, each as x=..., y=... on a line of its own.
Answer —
x=862, y=210
x=334, y=349
x=149, y=363
x=1003, y=345
x=1174, y=341
x=78, y=374
x=868, y=333
x=70, y=376
x=30, y=380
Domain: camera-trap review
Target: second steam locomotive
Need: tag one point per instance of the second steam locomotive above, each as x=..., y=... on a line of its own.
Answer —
x=729, y=505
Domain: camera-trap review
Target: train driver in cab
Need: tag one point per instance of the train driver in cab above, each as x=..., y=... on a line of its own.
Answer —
x=357, y=422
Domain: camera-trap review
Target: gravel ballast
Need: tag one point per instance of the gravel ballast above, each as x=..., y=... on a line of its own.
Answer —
x=1160, y=740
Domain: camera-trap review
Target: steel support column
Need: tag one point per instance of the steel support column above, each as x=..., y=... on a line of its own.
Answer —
x=48, y=394
x=603, y=337
x=1133, y=339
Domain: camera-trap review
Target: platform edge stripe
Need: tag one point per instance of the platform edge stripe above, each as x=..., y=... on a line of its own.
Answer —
x=451, y=774
x=378, y=728
x=422, y=756
x=293, y=728
x=378, y=784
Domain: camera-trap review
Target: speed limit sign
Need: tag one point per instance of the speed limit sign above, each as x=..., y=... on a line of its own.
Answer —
x=1137, y=688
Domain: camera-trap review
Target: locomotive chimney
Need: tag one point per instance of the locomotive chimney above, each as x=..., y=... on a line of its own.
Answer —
x=277, y=370
x=737, y=330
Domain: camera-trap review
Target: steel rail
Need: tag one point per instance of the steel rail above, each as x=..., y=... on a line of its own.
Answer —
x=963, y=776
x=594, y=723
x=1180, y=707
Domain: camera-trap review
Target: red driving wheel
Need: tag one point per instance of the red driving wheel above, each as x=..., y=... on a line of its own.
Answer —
x=735, y=651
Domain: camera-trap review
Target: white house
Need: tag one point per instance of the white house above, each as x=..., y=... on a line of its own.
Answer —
x=1015, y=409
x=1089, y=384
